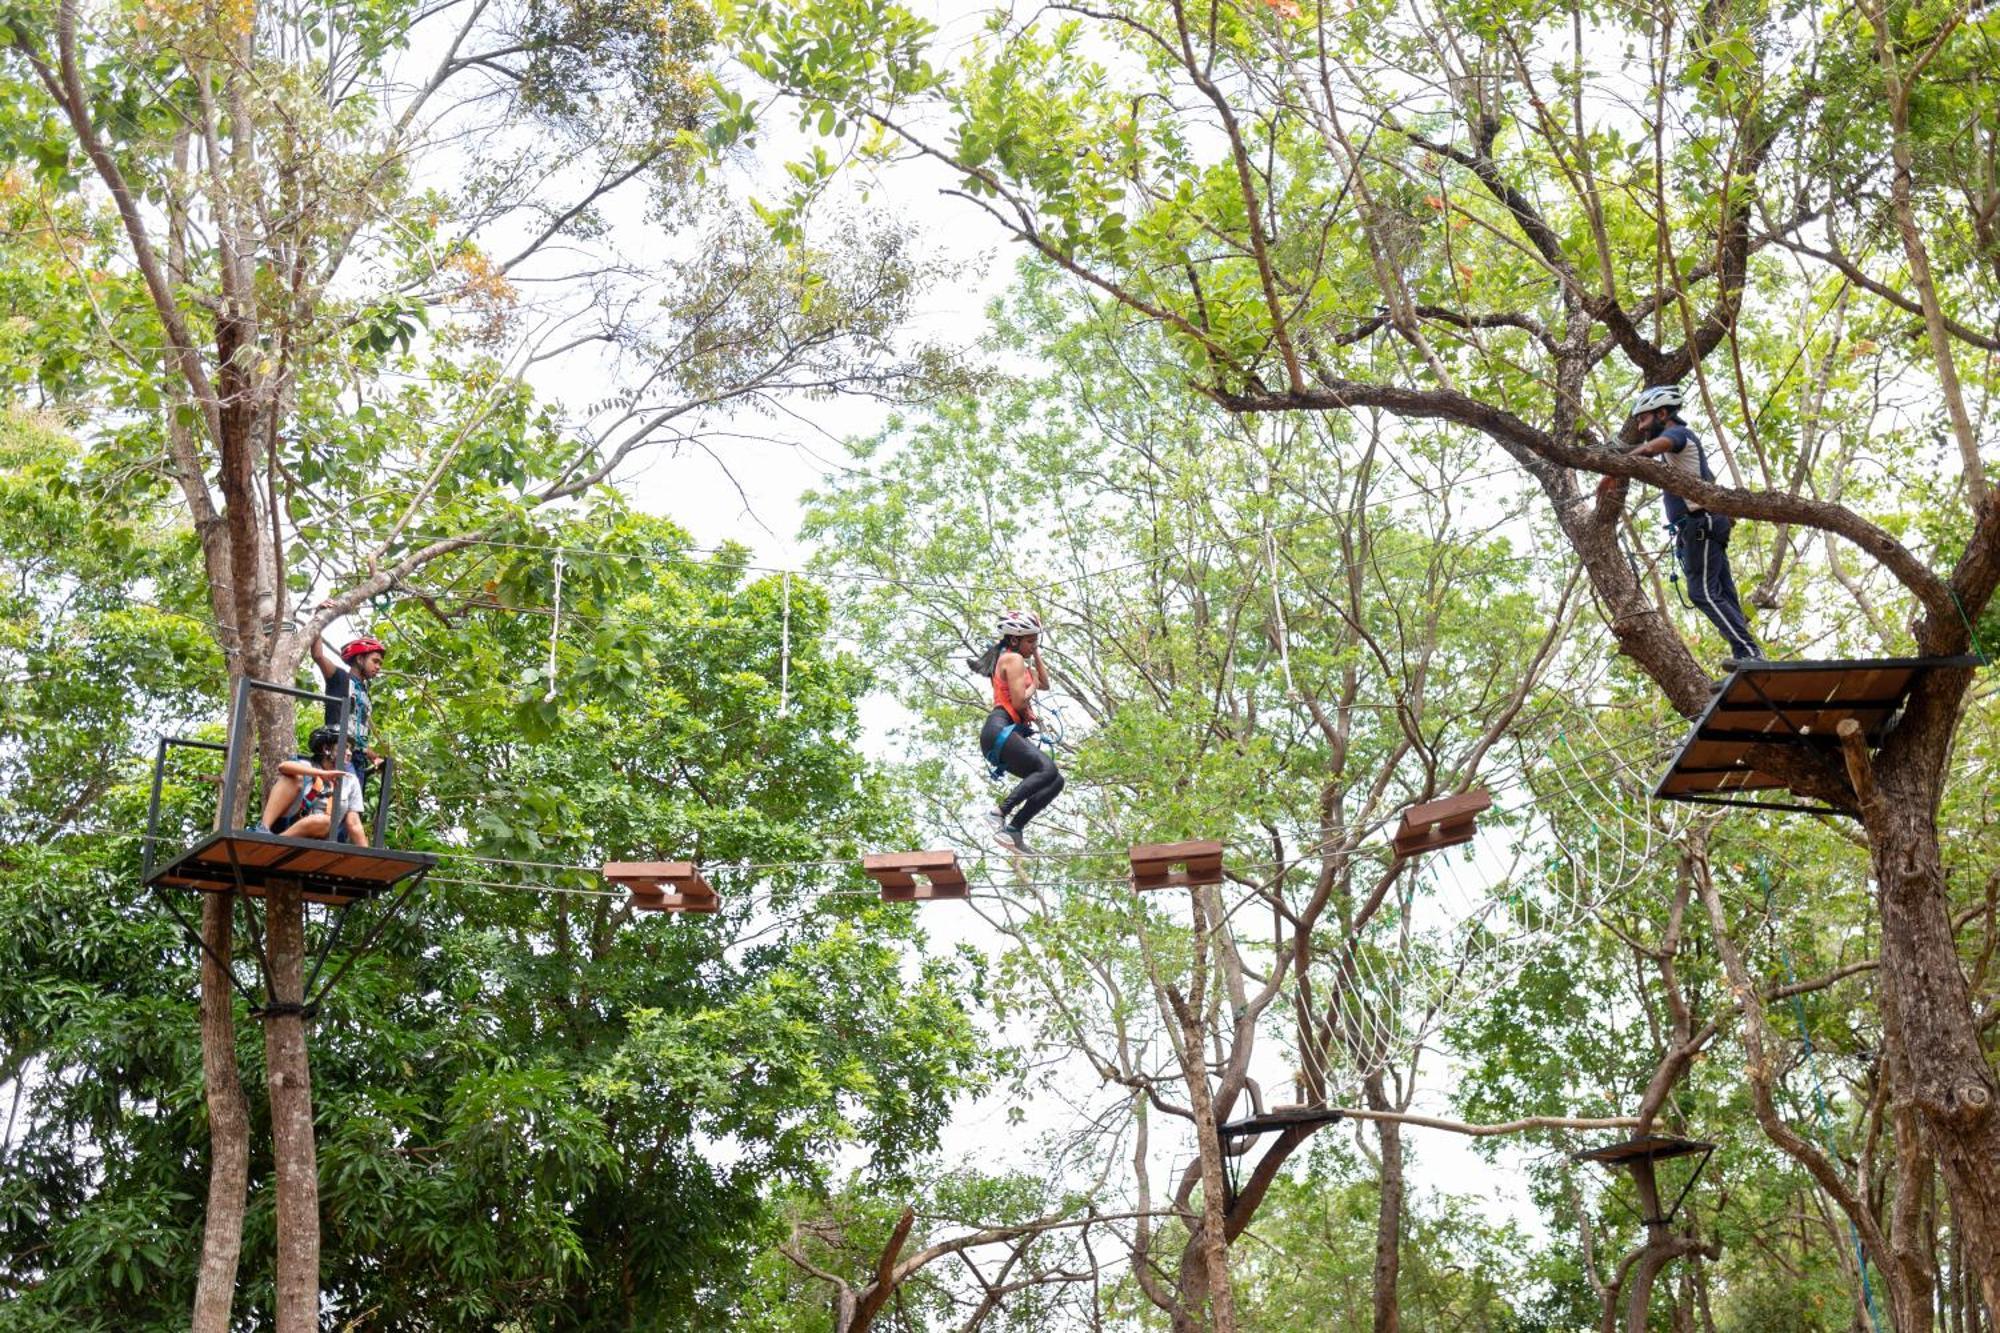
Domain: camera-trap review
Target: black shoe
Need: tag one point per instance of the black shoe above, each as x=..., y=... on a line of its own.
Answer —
x=1010, y=837
x=1715, y=686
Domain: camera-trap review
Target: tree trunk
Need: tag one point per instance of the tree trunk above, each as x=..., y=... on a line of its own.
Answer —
x=1389, y=1219
x=1950, y=1081
x=1924, y=986
x=293, y=1155
x=1206, y=1257
x=228, y=1125
x=1663, y=1246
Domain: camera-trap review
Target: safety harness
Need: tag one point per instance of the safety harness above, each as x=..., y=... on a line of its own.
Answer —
x=999, y=769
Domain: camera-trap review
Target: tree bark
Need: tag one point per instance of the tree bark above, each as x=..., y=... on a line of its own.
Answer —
x=228, y=1125
x=1924, y=986
x=1663, y=1246
x=1206, y=1258
x=294, y=1157
x=1389, y=1218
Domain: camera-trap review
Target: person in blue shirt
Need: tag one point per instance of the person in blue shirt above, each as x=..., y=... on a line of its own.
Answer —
x=1701, y=538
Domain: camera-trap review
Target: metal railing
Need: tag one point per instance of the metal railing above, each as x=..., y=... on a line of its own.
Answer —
x=239, y=734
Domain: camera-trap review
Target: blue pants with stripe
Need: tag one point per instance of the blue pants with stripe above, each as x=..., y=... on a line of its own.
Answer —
x=1702, y=543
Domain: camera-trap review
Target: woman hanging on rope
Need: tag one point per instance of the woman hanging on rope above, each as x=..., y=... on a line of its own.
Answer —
x=1006, y=740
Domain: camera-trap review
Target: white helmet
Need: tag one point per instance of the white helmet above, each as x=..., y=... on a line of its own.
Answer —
x=1657, y=397
x=1018, y=624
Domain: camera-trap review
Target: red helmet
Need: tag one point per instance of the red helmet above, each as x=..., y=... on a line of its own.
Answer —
x=361, y=647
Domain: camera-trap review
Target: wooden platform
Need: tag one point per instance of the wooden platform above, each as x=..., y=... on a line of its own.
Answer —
x=664, y=886
x=1787, y=703
x=1176, y=865
x=1278, y=1118
x=1654, y=1147
x=1435, y=825
x=328, y=872
x=917, y=877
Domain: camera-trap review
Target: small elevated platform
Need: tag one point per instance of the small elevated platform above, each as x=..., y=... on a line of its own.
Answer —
x=1278, y=1117
x=1435, y=825
x=1641, y=1153
x=917, y=877
x=328, y=872
x=1649, y=1147
x=1793, y=704
x=663, y=886
x=1176, y=865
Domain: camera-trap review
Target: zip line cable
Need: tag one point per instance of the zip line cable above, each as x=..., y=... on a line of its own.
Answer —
x=1369, y=842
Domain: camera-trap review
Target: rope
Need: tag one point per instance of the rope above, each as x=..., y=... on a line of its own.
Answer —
x=1819, y=1087
x=555, y=629
x=1278, y=606
x=1971, y=634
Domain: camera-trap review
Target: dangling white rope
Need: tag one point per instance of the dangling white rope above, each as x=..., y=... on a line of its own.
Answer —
x=555, y=630
x=1278, y=605
x=785, y=653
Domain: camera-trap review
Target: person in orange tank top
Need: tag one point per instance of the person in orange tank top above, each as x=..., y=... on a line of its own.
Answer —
x=1006, y=738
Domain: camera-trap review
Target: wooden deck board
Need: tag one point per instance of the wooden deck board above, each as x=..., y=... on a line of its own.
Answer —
x=327, y=872
x=1793, y=704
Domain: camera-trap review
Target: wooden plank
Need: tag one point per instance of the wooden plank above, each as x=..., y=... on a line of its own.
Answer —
x=700, y=904
x=914, y=877
x=330, y=872
x=925, y=892
x=1449, y=809
x=654, y=882
x=259, y=853
x=1176, y=865
x=1658, y=1147
x=655, y=876
x=1435, y=825
x=263, y=891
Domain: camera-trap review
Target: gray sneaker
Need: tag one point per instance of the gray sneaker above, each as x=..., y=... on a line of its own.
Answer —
x=996, y=820
x=1010, y=837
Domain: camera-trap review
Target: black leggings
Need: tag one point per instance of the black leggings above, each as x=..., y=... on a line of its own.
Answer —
x=1041, y=782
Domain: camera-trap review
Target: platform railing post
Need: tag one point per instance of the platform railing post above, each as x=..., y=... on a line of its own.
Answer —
x=153, y=806
x=381, y=821
x=239, y=723
x=346, y=759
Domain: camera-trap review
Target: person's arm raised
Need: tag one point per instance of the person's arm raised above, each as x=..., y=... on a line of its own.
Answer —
x=329, y=665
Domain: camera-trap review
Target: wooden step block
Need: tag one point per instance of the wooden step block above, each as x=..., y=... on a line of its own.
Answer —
x=1442, y=823
x=917, y=877
x=664, y=886
x=1176, y=865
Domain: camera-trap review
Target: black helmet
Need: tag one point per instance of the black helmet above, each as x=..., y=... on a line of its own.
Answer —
x=322, y=738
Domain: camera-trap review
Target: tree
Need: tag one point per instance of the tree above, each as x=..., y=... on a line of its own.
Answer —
x=1256, y=641
x=517, y=1088
x=1461, y=217
x=328, y=353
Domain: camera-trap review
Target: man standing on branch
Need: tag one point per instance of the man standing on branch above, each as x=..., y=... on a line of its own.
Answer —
x=1701, y=538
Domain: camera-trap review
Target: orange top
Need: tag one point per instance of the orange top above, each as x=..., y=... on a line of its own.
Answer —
x=1002, y=696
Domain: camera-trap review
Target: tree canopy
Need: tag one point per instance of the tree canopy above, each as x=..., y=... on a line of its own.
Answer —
x=1302, y=419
